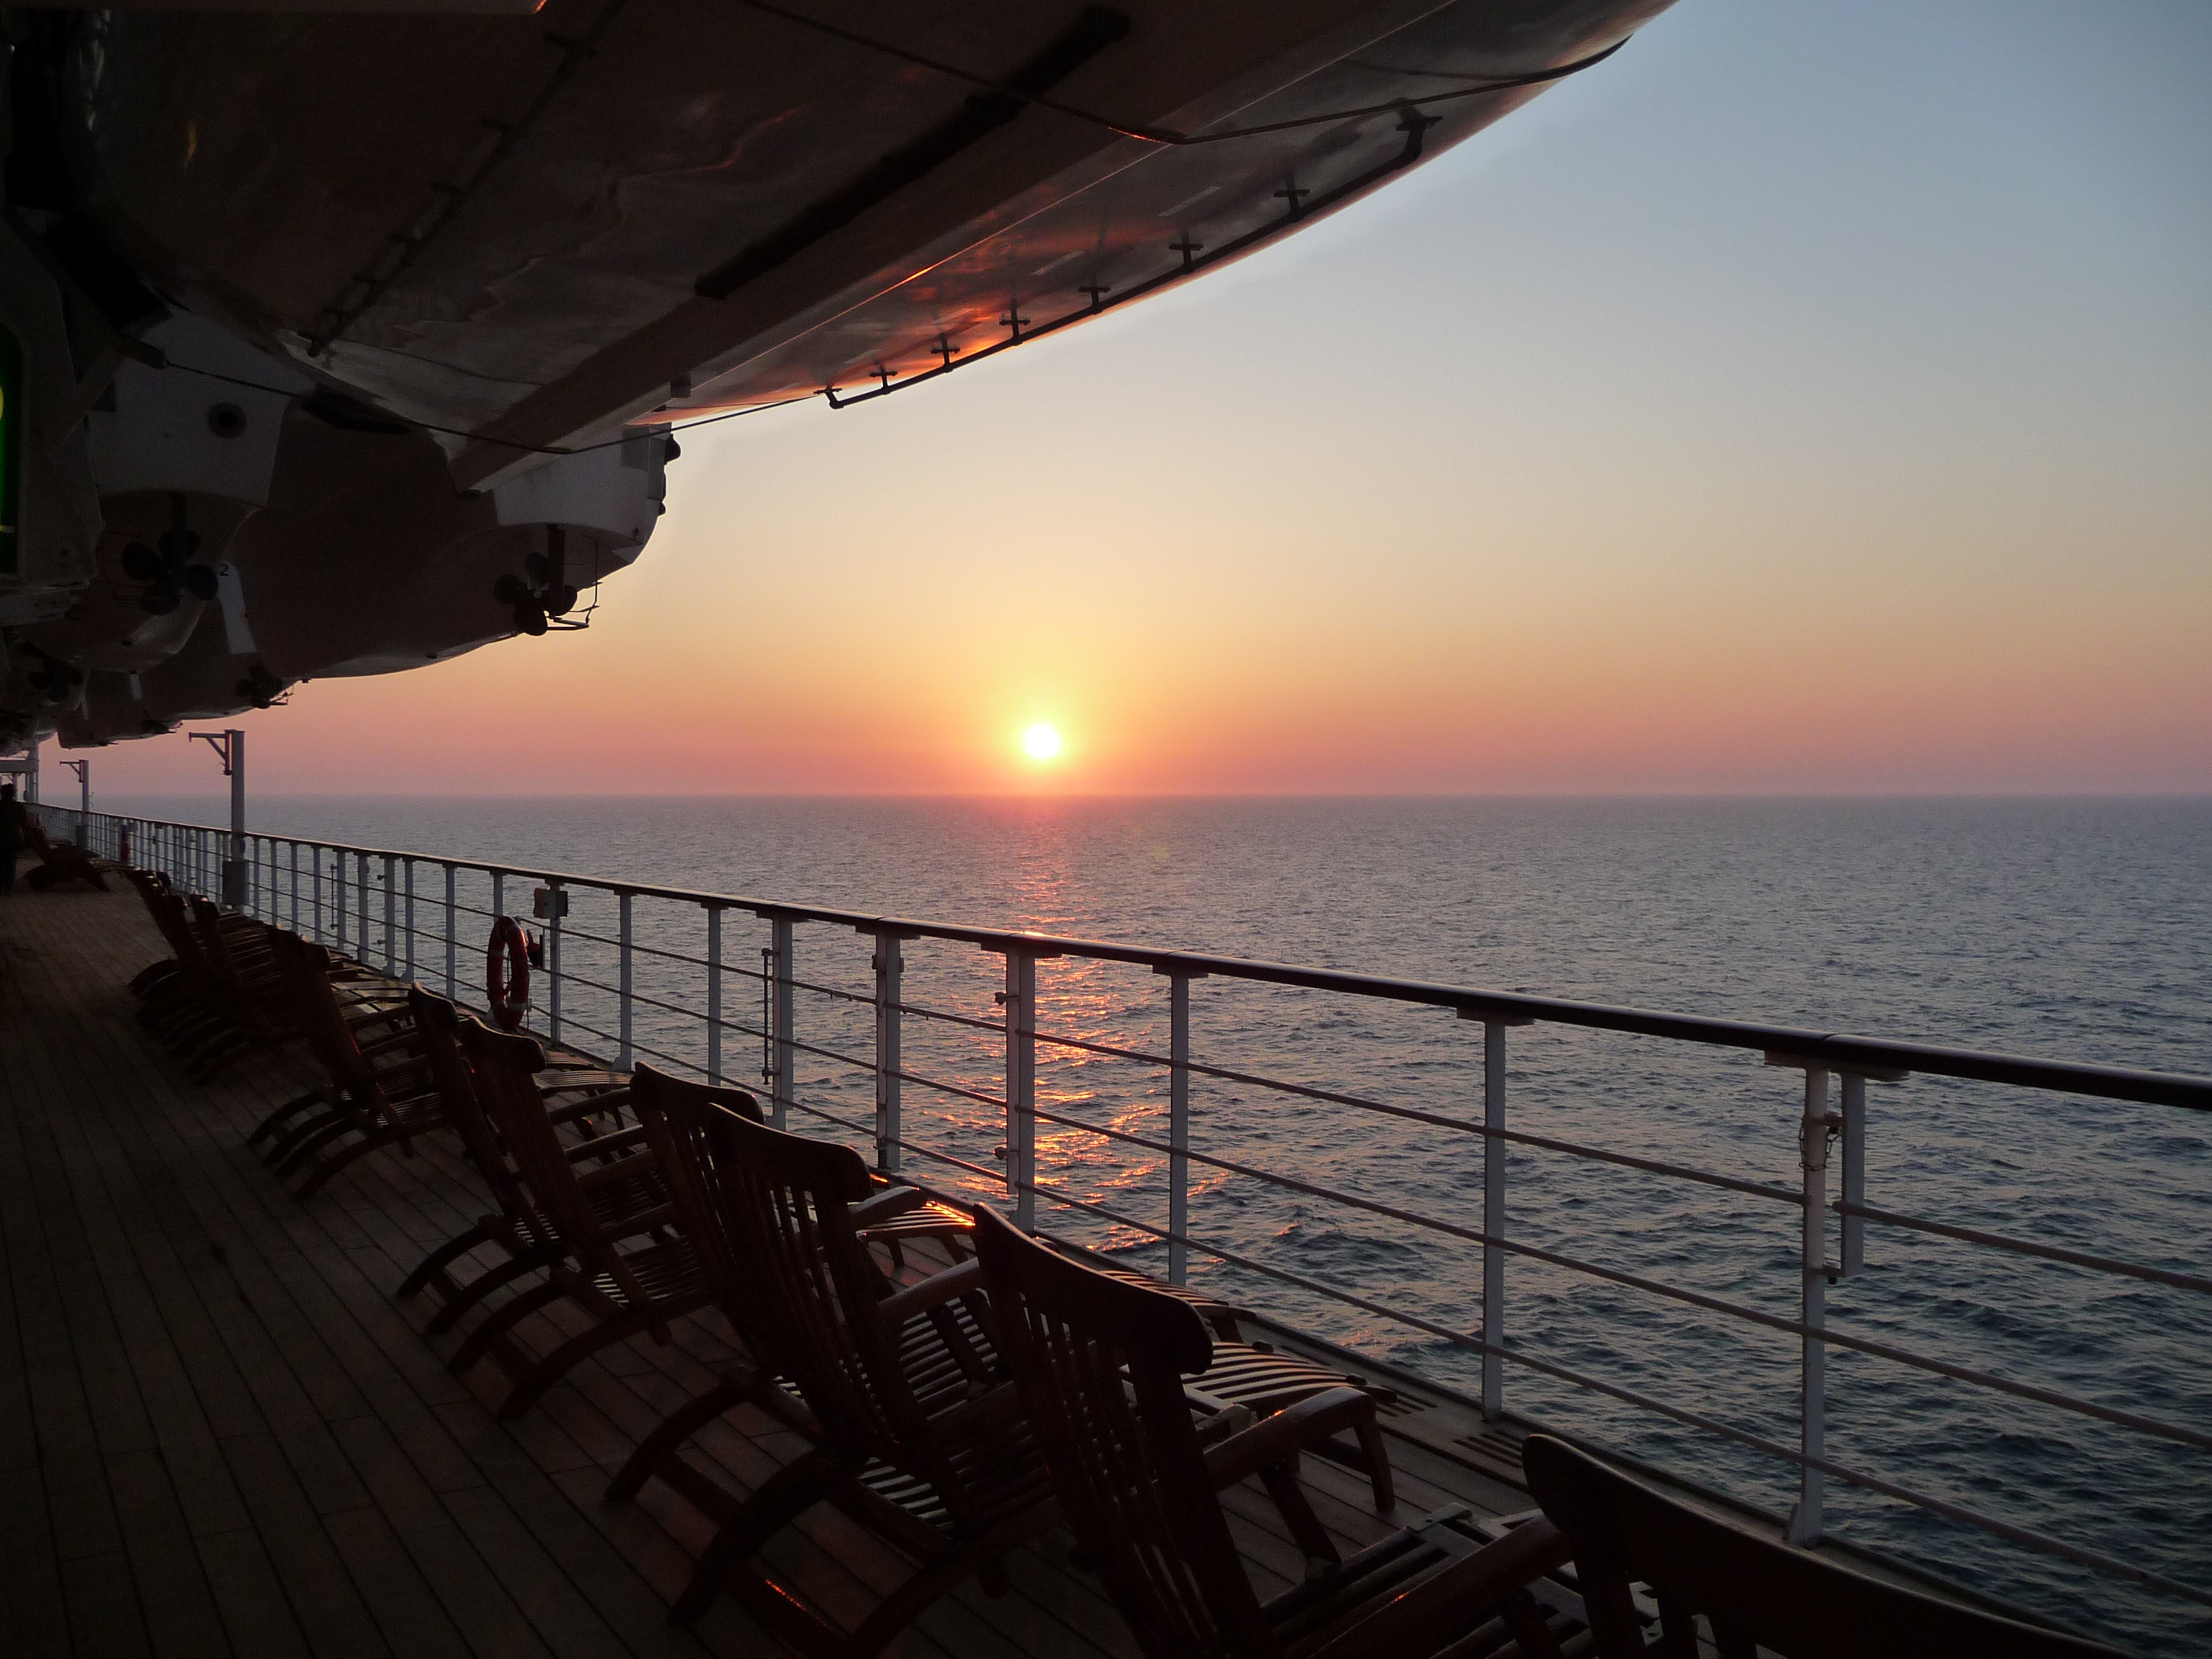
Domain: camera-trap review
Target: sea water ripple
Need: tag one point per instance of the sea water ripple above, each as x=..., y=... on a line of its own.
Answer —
x=2065, y=928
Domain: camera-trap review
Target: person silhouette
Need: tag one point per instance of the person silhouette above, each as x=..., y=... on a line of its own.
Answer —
x=14, y=817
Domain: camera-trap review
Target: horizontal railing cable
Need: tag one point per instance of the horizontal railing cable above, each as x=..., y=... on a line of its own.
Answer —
x=1437, y=1120
x=2001, y=1528
x=1840, y=1051
x=1677, y=1293
x=2104, y=1264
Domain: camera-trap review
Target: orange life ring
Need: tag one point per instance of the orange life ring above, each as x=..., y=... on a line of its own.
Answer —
x=507, y=973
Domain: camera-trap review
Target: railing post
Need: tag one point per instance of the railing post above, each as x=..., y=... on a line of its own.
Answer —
x=1494, y=1219
x=361, y=898
x=295, y=886
x=889, y=967
x=1019, y=999
x=1853, y=1258
x=409, y=919
x=714, y=994
x=1178, y=1122
x=391, y=904
x=783, y=1082
x=1805, y=1523
x=623, y=1061
x=452, y=916
x=1494, y=1253
x=555, y=901
x=317, y=889
x=233, y=867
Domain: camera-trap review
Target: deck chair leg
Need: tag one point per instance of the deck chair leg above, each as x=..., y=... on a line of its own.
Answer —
x=981, y=1557
x=1370, y=1434
x=324, y=1168
x=1531, y=1629
x=785, y=1494
x=433, y=1265
x=298, y=1144
x=218, y=1052
x=549, y=1369
x=268, y=1126
x=465, y=1296
x=679, y=1425
x=1282, y=1481
x=279, y=1153
x=499, y=1323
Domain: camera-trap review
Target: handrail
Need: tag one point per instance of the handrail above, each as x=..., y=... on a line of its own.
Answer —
x=341, y=891
x=1844, y=1052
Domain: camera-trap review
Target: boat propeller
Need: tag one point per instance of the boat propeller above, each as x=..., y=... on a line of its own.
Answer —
x=169, y=569
x=540, y=598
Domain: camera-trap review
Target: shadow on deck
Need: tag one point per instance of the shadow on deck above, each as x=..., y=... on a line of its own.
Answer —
x=221, y=1432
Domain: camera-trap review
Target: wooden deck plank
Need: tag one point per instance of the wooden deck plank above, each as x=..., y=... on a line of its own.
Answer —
x=222, y=1431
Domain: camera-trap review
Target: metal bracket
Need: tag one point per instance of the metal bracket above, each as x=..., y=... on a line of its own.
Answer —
x=218, y=741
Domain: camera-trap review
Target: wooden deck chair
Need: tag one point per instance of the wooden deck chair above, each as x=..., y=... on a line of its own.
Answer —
x=259, y=992
x=148, y=979
x=627, y=1273
x=184, y=1006
x=576, y=1102
x=922, y=1439
x=321, y=993
x=1101, y=1364
x=1757, y=1594
x=381, y=1092
x=59, y=861
x=676, y=1114
x=1263, y=1380
x=251, y=978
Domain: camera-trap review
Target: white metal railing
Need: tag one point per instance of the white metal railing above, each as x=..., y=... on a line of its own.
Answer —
x=635, y=971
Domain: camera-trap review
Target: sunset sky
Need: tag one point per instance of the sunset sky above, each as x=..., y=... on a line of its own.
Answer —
x=1814, y=397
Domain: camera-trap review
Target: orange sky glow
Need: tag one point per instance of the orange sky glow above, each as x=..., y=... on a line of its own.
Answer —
x=1610, y=453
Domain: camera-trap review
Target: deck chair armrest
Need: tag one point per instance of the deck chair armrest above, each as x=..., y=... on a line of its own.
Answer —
x=1275, y=1438
x=565, y=1101
x=891, y=1201
x=600, y=1145
x=628, y=1167
x=1000, y=1409
x=1455, y=1600
x=387, y=1045
x=569, y=1079
x=645, y=1221
x=933, y=1291
x=389, y=1020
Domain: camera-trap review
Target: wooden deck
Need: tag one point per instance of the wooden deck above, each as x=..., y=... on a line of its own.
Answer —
x=221, y=1432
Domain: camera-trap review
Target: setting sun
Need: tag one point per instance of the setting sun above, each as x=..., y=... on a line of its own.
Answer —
x=1041, y=743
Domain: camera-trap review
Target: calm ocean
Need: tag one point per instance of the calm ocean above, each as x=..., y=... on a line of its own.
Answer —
x=2066, y=928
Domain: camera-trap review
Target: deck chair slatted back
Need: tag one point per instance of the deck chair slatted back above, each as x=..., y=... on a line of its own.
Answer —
x=175, y=920
x=1102, y=1365
x=247, y=1003
x=1756, y=1594
x=787, y=1203
x=678, y=1117
x=504, y=1068
x=306, y=967
x=438, y=1023
x=168, y=912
